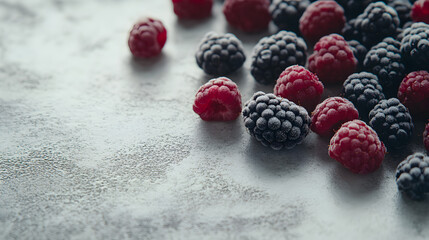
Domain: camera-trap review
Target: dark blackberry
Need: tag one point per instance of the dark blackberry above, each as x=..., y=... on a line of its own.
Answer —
x=392, y=122
x=352, y=8
x=359, y=51
x=403, y=8
x=275, y=122
x=377, y=22
x=412, y=176
x=364, y=91
x=286, y=13
x=275, y=53
x=415, y=46
x=385, y=61
x=220, y=54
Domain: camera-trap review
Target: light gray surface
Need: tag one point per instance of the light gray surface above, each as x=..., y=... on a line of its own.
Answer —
x=97, y=145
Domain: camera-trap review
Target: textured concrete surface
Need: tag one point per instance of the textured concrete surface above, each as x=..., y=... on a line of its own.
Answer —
x=97, y=145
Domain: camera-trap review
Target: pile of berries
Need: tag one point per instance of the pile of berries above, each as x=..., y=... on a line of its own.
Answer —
x=378, y=51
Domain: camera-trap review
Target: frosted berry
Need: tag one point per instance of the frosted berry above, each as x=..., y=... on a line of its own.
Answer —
x=147, y=38
x=300, y=86
x=320, y=19
x=331, y=114
x=332, y=60
x=420, y=11
x=247, y=15
x=357, y=146
x=412, y=176
x=414, y=93
x=218, y=100
x=286, y=13
x=415, y=46
x=192, y=9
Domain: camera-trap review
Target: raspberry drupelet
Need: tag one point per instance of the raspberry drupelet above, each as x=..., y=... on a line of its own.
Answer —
x=147, y=38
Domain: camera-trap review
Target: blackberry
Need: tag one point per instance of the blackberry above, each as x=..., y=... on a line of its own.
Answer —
x=385, y=61
x=364, y=91
x=275, y=53
x=286, y=13
x=220, y=54
x=275, y=122
x=415, y=46
x=393, y=123
x=377, y=22
x=412, y=176
x=352, y=8
x=403, y=8
x=359, y=51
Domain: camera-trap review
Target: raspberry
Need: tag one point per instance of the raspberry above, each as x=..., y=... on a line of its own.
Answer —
x=332, y=60
x=414, y=93
x=192, y=9
x=275, y=122
x=247, y=15
x=415, y=46
x=385, y=61
x=377, y=22
x=393, y=123
x=218, y=100
x=331, y=114
x=300, y=86
x=220, y=54
x=320, y=19
x=364, y=91
x=420, y=11
x=412, y=176
x=275, y=53
x=426, y=137
x=147, y=38
x=357, y=146
x=286, y=13
x=359, y=51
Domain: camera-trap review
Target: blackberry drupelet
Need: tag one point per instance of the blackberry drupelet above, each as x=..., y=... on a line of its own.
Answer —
x=393, y=123
x=275, y=122
x=385, y=61
x=275, y=53
x=364, y=91
x=415, y=46
x=220, y=54
x=412, y=176
x=286, y=13
x=359, y=51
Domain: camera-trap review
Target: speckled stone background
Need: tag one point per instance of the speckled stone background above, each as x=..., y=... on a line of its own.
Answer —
x=97, y=145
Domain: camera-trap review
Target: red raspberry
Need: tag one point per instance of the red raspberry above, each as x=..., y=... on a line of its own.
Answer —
x=320, y=19
x=300, y=86
x=192, y=9
x=147, y=38
x=414, y=93
x=218, y=100
x=357, y=147
x=247, y=15
x=331, y=114
x=420, y=11
x=426, y=137
x=332, y=60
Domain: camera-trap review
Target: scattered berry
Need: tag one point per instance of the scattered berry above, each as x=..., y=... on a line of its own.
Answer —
x=275, y=53
x=300, y=86
x=147, y=38
x=359, y=51
x=320, y=19
x=414, y=93
x=426, y=137
x=192, y=9
x=357, y=146
x=247, y=15
x=412, y=176
x=220, y=54
x=331, y=114
x=393, y=123
x=275, y=122
x=420, y=11
x=385, y=61
x=286, y=13
x=332, y=60
x=218, y=100
x=415, y=46
x=364, y=91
